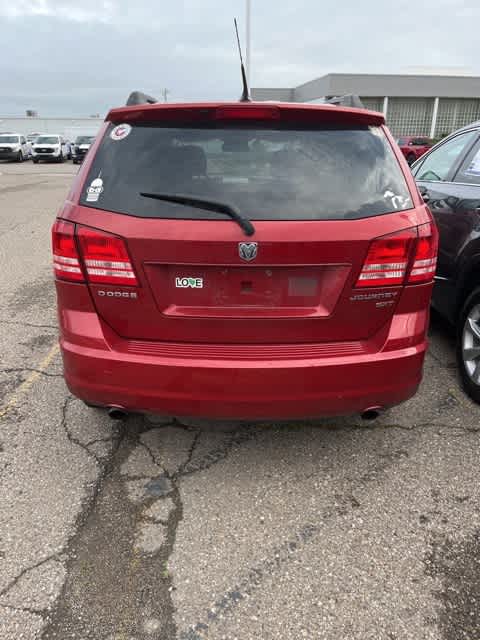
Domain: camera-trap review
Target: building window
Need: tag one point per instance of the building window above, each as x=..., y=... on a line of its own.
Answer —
x=410, y=116
x=454, y=113
x=375, y=104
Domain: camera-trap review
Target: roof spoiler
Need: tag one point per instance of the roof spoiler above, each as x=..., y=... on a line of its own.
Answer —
x=348, y=100
x=137, y=97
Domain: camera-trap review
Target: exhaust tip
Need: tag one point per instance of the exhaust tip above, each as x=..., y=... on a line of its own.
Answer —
x=117, y=413
x=371, y=414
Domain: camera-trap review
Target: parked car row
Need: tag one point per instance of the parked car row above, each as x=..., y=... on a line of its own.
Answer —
x=43, y=147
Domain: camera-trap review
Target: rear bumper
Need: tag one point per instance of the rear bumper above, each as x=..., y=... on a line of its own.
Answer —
x=239, y=389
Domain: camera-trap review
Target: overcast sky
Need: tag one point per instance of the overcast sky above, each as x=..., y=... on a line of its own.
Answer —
x=65, y=57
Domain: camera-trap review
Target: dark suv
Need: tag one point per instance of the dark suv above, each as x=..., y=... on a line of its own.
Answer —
x=80, y=148
x=449, y=179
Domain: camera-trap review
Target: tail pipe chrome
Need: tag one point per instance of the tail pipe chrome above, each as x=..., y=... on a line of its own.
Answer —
x=117, y=413
x=371, y=413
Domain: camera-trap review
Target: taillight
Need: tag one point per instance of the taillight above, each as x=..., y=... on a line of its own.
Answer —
x=66, y=262
x=425, y=259
x=105, y=258
x=387, y=260
x=389, y=257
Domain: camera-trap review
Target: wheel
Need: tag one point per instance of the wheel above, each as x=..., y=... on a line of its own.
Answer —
x=35, y=160
x=411, y=158
x=61, y=157
x=19, y=157
x=468, y=345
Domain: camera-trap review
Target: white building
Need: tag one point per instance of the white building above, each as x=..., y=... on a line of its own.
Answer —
x=427, y=105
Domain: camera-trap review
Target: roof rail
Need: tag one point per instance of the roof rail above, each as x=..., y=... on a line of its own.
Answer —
x=137, y=97
x=348, y=100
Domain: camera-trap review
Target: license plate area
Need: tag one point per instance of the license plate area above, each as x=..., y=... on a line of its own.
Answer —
x=260, y=291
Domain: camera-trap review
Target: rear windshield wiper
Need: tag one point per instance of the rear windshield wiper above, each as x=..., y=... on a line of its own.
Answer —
x=208, y=205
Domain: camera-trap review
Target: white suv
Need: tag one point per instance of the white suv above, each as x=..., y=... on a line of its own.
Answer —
x=51, y=147
x=14, y=146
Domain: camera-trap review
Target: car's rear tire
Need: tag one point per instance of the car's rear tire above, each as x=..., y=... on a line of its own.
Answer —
x=468, y=345
x=411, y=158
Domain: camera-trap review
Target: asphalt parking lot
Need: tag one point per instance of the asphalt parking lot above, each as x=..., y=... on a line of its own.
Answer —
x=158, y=529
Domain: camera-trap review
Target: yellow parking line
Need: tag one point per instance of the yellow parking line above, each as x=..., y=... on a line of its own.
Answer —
x=32, y=378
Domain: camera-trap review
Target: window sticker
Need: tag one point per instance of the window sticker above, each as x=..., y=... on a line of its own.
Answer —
x=95, y=190
x=398, y=202
x=474, y=166
x=120, y=132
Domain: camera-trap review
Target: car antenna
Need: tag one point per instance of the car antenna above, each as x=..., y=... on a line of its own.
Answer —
x=246, y=91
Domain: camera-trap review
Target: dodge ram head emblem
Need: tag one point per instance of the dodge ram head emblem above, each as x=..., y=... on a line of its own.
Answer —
x=248, y=250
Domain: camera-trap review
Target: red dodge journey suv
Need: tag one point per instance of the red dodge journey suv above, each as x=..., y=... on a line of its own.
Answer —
x=244, y=261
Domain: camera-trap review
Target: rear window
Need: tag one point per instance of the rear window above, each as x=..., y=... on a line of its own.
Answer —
x=267, y=173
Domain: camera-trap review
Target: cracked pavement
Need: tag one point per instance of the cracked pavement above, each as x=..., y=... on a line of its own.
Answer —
x=156, y=529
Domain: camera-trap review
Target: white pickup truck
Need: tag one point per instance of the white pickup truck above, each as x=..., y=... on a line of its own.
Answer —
x=14, y=146
x=51, y=147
